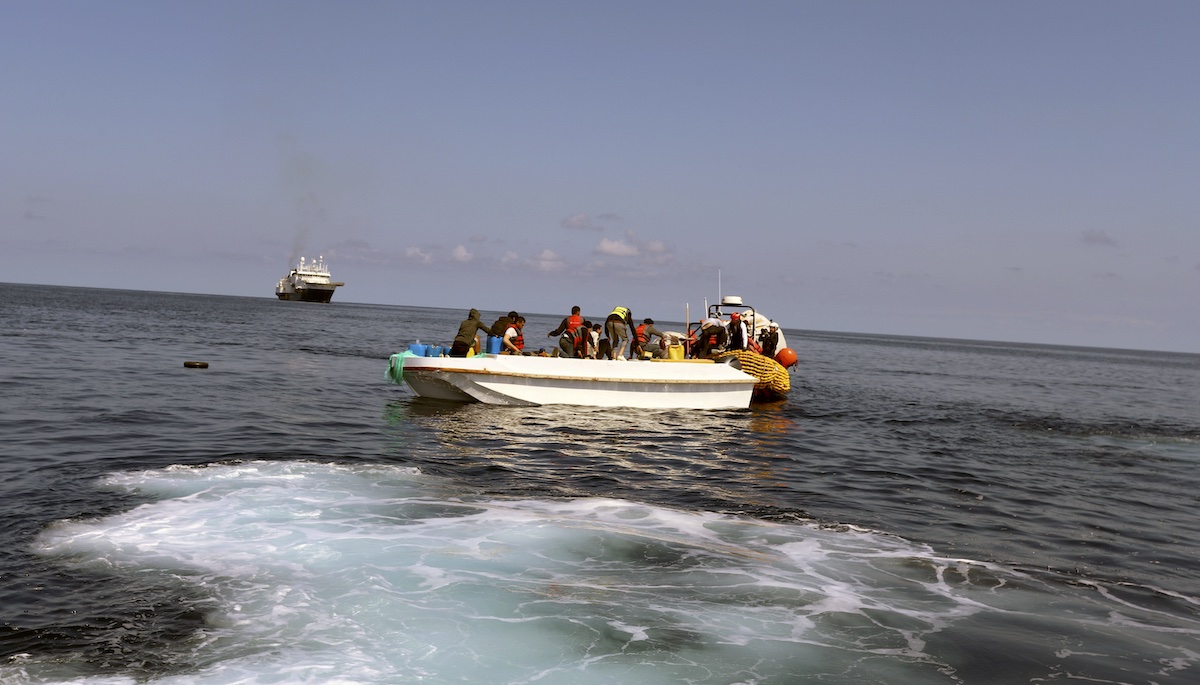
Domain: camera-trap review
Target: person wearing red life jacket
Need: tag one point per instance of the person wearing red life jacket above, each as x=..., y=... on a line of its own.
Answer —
x=503, y=324
x=499, y=328
x=578, y=340
x=514, y=339
x=645, y=332
x=566, y=333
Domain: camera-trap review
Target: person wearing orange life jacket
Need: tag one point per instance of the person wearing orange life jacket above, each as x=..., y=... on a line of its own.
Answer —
x=710, y=338
x=644, y=333
x=617, y=327
x=514, y=339
x=566, y=332
x=576, y=343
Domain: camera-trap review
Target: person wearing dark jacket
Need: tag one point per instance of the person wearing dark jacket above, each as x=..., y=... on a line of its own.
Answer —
x=502, y=324
x=769, y=339
x=738, y=339
x=468, y=333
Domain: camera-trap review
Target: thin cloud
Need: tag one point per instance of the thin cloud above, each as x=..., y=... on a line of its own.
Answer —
x=609, y=216
x=580, y=222
x=357, y=252
x=417, y=254
x=616, y=248
x=646, y=252
x=1107, y=276
x=658, y=252
x=1098, y=238
x=548, y=261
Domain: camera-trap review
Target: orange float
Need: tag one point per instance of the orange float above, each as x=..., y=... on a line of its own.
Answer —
x=786, y=357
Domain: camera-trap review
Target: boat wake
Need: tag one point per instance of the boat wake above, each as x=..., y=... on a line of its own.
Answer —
x=331, y=573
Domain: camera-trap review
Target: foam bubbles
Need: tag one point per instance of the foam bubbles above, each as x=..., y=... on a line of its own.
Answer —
x=331, y=573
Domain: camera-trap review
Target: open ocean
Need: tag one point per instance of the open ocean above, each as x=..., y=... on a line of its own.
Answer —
x=919, y=511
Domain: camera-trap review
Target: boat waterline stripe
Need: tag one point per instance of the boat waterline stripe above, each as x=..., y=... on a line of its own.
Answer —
x=509, y=374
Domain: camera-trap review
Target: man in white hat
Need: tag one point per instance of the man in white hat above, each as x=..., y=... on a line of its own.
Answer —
x=769, y=339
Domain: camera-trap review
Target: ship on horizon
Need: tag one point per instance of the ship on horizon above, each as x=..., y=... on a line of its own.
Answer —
x=308, y=282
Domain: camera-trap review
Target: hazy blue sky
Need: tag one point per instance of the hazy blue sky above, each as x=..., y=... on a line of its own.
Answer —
x=1023, y=171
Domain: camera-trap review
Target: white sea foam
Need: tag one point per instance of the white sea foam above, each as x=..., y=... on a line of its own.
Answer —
x=343, y=574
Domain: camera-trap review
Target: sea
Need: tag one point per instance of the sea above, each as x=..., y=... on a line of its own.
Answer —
x=919, y=510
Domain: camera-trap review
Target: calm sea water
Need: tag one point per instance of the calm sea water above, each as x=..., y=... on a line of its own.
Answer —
x=919, y=511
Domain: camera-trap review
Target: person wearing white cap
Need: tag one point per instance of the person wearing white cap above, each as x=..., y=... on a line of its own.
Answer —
x=769, y=339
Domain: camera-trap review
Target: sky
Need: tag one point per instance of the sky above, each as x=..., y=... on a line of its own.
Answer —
x=1023, y=171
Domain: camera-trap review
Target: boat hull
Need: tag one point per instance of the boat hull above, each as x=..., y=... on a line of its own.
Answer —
x=306, y=294
x=530, y=381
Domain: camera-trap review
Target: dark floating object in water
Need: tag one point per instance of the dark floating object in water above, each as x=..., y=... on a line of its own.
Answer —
x=195, y=365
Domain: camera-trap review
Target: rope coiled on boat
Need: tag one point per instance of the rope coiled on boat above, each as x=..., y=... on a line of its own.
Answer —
x=773, y=379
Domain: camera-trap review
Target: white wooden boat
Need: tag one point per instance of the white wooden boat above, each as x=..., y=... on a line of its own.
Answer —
x=527, y=381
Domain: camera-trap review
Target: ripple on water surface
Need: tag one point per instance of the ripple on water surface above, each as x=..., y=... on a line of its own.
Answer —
x=316, y=571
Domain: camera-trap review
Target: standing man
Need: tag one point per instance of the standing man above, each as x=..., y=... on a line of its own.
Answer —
x=617, y=327
x=737, y=332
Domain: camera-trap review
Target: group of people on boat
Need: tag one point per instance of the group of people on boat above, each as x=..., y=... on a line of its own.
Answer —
x=581, y=338
x=577, y=337
x=716, y=335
